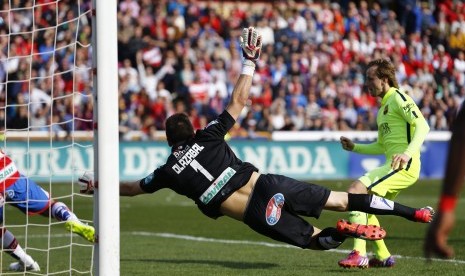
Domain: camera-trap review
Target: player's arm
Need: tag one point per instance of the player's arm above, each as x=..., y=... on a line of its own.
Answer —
x=412, y=115
x=251, y=47
x=436, y=239
x=371, y=148
x=130, y=188
x=455, y=171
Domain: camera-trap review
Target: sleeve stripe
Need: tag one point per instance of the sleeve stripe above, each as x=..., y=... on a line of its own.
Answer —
x=401, y=95
x=409, y=139
x=414, y=114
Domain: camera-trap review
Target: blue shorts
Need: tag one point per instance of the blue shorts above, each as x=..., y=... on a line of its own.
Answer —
x=27, y=196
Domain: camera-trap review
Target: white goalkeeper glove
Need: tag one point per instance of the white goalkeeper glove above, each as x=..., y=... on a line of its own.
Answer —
x=251, y=44
x=86, y=183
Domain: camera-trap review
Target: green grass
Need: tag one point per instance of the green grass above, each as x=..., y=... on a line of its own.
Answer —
x=161, y=235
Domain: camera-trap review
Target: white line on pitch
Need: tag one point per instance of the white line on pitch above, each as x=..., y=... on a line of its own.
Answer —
x=267, y=244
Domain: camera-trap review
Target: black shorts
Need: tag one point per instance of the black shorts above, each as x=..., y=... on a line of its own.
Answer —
x=275, y=206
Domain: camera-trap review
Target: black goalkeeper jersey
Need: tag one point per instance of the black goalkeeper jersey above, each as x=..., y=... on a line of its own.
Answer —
x=204, y=169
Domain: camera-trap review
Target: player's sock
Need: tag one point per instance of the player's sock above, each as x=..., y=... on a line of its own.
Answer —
x=62, y=213
x=381, y=250
x=12, y=247
x=374, y=204
x=330, y=238
x=360, y=218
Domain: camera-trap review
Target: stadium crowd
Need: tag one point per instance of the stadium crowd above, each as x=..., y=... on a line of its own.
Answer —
x=182, y=55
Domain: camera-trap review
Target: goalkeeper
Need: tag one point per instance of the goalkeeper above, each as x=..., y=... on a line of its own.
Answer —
x=204, y=168
x=401, y=132
x=24, y=194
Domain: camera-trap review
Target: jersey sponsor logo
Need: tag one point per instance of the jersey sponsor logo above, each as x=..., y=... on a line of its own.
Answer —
x=408, y=107
x=187, y=158
x=273, y=209
x=180, y=151
x=217, y=185
x=8, y=171
x=384, y=128
x=381, y=203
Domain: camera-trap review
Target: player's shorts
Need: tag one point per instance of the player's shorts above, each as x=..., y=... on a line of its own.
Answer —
x=276, y=203
x=386, y=182
x=27, y=196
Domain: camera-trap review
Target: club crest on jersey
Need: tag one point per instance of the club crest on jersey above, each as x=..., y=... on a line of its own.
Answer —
x=273, y=209
x=10, y=194
x=386, y=110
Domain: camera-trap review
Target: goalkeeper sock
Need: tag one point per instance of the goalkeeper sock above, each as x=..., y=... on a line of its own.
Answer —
x=62, y=213
x=373, y=204
x=329, y=238
x=381, y=250
x=12, y=247
x=359, y=218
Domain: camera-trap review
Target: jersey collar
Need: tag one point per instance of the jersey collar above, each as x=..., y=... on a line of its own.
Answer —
x=387, y=95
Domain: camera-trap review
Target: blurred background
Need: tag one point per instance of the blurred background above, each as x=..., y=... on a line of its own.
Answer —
x=184, y=56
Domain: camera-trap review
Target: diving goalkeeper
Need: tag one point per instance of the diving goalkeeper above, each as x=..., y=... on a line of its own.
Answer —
x=204, y=168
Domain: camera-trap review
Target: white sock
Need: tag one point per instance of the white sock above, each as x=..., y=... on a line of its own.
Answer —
x=11, y=246
x=62, y=213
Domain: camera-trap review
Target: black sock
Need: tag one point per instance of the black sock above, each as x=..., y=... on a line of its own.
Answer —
x=330, y=238
x=376, y=205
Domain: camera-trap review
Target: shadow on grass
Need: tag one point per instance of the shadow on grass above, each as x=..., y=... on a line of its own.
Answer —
x=227, y=264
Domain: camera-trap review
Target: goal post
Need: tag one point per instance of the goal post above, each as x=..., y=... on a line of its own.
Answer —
x=106, y=138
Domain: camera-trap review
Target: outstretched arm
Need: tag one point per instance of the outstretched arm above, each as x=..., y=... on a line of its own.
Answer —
x=436, y=238
x=126, y=188
x=130, y=188
x=251, y=43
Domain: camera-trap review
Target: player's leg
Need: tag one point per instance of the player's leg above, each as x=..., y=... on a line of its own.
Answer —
x=11, y=246
x=32, y=199
x=358, y=256
x=61, y=212
x=275, y=206
x=389, y=188
x=383, y=257
x=373, y=204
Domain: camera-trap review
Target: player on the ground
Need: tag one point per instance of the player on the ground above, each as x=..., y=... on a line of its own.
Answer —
x=401, y=132
x=24, y=194
x=436, y=239
x=204, y=168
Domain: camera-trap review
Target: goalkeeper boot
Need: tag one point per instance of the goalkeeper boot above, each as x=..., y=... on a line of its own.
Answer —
x=360, y=231
x=83, y=230
x=19, y=266
x=388, y=262
x=424, y=214
x=354, y=260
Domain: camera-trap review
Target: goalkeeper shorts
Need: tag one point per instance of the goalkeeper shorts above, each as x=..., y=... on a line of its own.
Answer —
x=275, y=206
x=26, y=195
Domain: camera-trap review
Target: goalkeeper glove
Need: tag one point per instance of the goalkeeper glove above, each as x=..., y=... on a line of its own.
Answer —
x=86, y=183
x=251, y=44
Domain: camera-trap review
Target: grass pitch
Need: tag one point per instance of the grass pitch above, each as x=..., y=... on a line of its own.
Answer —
x=165, y=234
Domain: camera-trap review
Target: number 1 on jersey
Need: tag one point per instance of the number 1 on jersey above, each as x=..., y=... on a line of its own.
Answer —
x=199, y=168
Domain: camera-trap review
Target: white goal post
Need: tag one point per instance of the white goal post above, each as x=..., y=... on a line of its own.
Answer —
x=106, y=138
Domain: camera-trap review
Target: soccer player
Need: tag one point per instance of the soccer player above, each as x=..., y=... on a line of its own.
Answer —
x=436, y=239
x=24, y=194
x=204, y=168
x=401, y=132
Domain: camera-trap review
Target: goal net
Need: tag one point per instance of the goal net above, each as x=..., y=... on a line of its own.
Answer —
x=46, y=123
